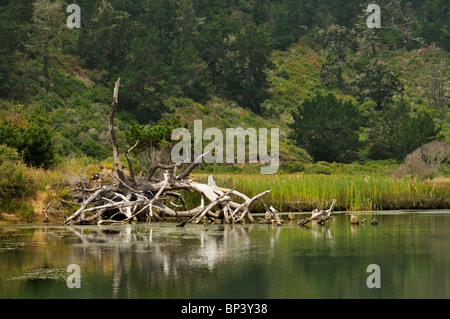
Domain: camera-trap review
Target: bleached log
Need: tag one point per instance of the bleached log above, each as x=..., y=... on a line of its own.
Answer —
x=247, y=204
x=196, y=219
x=318, y=213
x=275, y=215
x=83, y=206
x=166, y=181
x=130, y=198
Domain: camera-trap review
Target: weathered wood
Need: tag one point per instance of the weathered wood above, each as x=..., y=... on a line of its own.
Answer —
x=130, y=164
x=129, y=198
x=275, y=215
x=328, y=213
x=318, y=213
x=83, y=206
x=117, y=164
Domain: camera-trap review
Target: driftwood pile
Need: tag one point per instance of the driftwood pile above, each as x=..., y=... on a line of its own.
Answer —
x=130, y=198
x=321, y=215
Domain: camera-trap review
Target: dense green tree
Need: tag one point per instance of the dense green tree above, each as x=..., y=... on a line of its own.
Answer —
x=105, y=38
x=339, y=42
x=8, y=44
x=289, y=20
x=190, y=70
x=213, y=45
x=48, y=16
x=31, y=137
x=434, y=20
x=342, y=12
x=248, y=61
x=154, y=135
x=15, y=15
x=375, y=80
x=395, y=132
x=94, y=149
x=327, y=128
x=147, y=81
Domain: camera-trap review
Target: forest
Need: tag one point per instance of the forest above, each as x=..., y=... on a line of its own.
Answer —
x=349, y=100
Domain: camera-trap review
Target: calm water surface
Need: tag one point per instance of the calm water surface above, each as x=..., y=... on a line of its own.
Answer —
x=158, y=260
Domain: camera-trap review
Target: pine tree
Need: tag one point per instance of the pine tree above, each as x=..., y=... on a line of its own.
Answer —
x=327, y=128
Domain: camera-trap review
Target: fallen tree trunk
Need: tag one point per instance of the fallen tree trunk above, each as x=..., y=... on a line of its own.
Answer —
x=319, y=213
x=144, y=196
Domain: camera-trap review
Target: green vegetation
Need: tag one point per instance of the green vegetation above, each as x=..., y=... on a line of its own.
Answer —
x=305, y=192
x=338, y=91
x=327, y=128
x=32, y=138
x=15, y=183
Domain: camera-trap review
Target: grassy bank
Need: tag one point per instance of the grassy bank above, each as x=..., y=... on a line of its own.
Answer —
x=26, y=191
x=304, y=192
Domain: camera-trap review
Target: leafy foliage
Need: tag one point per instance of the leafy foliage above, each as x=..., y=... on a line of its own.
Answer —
x=14, y=182
x=31, y=137
x=377, y=82
x=395, y=132
x=155, y=136
x=328, y=128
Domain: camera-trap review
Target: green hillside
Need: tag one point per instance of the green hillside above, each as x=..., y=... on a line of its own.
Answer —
x=229, y=63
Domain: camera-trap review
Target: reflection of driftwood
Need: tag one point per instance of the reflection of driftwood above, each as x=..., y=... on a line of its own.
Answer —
x=324, y=214
x=130, y=197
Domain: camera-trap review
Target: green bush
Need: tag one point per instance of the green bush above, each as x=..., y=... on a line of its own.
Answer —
x=327, y=127
x=32, y=137
x=319, y=168
x=93, y=149
x=292, y=167
x=8, y=154
x=14, y=182
x=99, y=94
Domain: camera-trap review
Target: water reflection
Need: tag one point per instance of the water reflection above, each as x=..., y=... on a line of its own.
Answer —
x=193, y=246
x=165, y=253
x=230, y=261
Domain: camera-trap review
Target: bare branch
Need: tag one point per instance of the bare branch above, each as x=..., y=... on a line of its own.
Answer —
x=130, y=164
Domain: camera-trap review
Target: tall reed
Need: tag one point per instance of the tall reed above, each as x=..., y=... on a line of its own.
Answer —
x=303, y=192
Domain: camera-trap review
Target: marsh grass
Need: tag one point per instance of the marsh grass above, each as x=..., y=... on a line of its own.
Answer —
x=304, y=192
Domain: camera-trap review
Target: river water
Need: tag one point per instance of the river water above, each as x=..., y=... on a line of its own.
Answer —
x=159, y=260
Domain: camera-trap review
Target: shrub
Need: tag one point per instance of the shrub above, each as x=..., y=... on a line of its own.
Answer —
x=14, y=182
x=93, y=149
x=395, y=132
x=292, y=167
x=99, y=94
x=8, y=154
x=32, y=137
x=426, y=162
